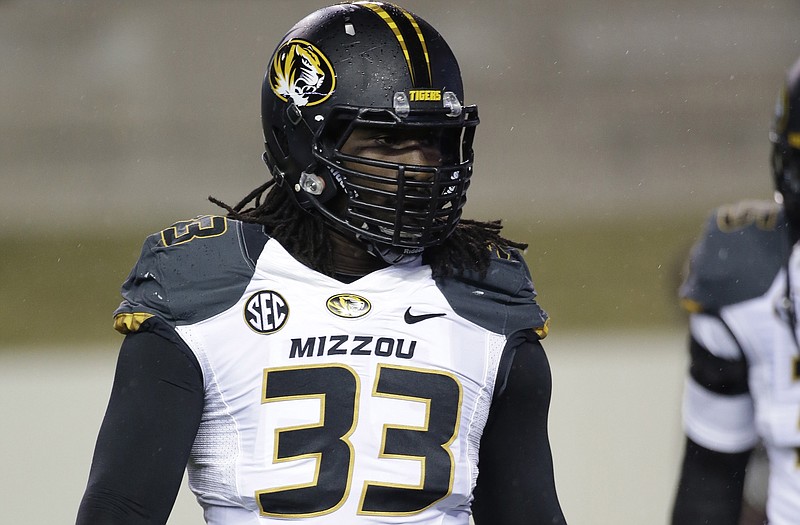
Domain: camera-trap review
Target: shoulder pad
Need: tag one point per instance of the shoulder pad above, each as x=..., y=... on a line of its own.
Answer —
x=741, y=250
x=190, y=271
x=504, y=301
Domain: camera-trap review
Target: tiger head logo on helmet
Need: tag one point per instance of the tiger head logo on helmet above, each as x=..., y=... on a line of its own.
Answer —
x=301, y=74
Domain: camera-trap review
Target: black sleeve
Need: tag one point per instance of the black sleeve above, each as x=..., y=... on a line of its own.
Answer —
x=727, y=377
x=149, y=427
x=516, y=483
x=711, y=483
x=710, y=487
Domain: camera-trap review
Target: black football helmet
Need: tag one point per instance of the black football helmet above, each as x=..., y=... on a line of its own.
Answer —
x=785, y=138
x=368, y=64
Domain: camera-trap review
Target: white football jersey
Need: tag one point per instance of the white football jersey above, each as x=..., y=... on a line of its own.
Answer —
x=326, y=402
x=754, y=324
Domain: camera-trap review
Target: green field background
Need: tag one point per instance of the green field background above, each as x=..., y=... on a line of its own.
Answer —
x=62, y=289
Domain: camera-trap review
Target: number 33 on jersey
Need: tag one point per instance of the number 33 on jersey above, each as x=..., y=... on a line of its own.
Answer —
x=332, y=402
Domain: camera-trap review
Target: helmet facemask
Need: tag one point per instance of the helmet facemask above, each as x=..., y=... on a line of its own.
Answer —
x=394, y=204
x=786, y=172
x=785, y=137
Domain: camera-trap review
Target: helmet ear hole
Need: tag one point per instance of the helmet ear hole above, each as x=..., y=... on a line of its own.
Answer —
x=277, y=156
x=293, y=114
x=280, y=141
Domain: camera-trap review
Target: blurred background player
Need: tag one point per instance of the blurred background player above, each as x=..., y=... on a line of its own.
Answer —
x=341, y=347
x=743, y=387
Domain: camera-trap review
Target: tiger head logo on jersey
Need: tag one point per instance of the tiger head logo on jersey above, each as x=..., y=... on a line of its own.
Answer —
x=348, y=305
x=301, y=74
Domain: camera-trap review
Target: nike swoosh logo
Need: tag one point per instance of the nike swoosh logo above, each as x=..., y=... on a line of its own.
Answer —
x=411, y=318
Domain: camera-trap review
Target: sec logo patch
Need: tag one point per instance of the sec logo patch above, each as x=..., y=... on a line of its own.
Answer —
x=266, y=312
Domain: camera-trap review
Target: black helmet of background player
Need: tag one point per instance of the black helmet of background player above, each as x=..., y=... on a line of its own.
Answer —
x=785, y=138
x=377, y=65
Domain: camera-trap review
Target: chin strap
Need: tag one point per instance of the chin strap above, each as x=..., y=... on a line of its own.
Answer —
x=392, y=254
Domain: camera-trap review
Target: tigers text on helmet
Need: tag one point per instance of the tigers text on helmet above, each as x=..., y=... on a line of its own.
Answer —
x=785, y=138
x=369, y=65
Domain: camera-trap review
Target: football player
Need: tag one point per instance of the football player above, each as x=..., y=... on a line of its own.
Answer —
x=341, y=347
x=743, y=386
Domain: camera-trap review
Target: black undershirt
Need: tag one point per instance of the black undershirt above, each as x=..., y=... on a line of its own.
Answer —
x=711, y=483
x=157, y=401
x=710, y=487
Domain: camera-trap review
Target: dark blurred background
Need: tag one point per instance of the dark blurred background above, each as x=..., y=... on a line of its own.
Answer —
x=608, y=131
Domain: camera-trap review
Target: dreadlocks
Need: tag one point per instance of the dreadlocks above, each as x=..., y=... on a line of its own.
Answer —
x=469, y=248
x=304, y=236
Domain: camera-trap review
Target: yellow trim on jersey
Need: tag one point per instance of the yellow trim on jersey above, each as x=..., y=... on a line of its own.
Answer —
x=202, y=226
x=794, y=140
x=421, y=460
x=544, y=330
x=130, y=322
x=691, y=306
x=320, y=423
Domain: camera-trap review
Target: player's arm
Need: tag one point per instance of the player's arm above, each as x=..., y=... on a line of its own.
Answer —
x=718, y=420
x=710, y=486
x=516, y=483
x=144, y=442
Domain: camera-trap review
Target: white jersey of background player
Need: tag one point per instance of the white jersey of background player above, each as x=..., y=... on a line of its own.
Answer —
x=743, y=292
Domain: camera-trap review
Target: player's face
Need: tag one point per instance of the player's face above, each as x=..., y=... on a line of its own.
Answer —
x=379, y=186
x=411, y=147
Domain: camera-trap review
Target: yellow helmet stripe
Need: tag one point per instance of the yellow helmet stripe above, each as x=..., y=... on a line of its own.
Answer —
x=421, y=41
x=386, y=17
